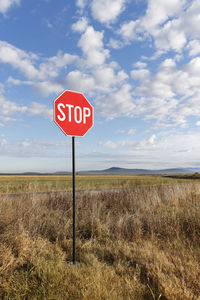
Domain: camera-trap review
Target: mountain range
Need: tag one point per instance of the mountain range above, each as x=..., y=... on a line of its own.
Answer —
x=120, y=171
x=115, y=170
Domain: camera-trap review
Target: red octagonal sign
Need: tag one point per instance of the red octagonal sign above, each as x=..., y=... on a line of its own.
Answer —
x=73, y=113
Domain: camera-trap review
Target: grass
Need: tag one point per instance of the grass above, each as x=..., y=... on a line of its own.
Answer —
x=21, y=183
x=186, y=176
x=142, y=243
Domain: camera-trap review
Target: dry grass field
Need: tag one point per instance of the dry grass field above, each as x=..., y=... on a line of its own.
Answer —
x=142, y=243
x=39, y=183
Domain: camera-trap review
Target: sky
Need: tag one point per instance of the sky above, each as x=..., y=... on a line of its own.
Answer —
x=137, y=62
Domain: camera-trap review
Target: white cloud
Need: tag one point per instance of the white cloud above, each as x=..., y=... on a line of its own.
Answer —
x=95, y=76
x=40, y=76
x=171, y=24
x=41, y=144
x=33, y=148
x=115, y=44
x=116, y=104
x=140, y=65
x=193, y=67
x=108, y=144
x=182, y=28
x=6, y=119
x=3, y=142
x=140, y=74
x=25, y=143
x=5, y=5
x=171, y=36
x=131, y=131
x=48, y=24
x=164, y=150
x=15, y=81
x=149, y=142
x=39, y=109
x=129, y=30
x=104, y=76
x=107, y=11
x=1, y=88
x=99, y=79
x=45, y=88
x=159, y=11
x=18, y=58
x=81, y=4
x=103, y=79
x=194, y=47
x=190, y=19
x=170, y=95
x=52, y=66
x=52, y=144
x=198, y=123
x=25, y=62
x=80, y=81
x=8, y=108
x=155, y=56
x=81, y=25
x=91, y=43
x=167, y=150
x=179, y=144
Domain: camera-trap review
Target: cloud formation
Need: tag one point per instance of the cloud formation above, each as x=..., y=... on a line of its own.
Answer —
x=5, y=5
x=169, y=95
x=9, y=110
x=171, y=25
x=107, y=11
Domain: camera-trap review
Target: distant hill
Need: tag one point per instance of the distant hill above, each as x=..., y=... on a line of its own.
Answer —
x=31, y=173
x=116, y=170
x=62, y=173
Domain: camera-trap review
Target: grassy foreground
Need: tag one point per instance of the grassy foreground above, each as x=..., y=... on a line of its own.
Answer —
x=38, y=183
x=138, y=244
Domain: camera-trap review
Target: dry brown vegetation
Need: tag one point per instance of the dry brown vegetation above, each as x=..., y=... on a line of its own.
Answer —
x=46, y=183
x=142, y=243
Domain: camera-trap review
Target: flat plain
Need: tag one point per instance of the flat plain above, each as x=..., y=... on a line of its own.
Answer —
x=42, y=183
x=138, y=241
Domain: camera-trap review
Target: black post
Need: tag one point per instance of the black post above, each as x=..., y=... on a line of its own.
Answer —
x=74, y=199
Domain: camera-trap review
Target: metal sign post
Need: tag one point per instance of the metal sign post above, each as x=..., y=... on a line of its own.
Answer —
x=74, y=199
x=73, y=113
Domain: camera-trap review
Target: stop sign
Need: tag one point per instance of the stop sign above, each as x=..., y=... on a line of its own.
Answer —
x=73, y=113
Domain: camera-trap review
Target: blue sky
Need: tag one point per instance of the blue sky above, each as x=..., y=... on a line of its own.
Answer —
x=137, y=62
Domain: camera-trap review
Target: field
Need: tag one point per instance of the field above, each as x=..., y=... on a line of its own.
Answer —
x=141, y=242
x=20, y=183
